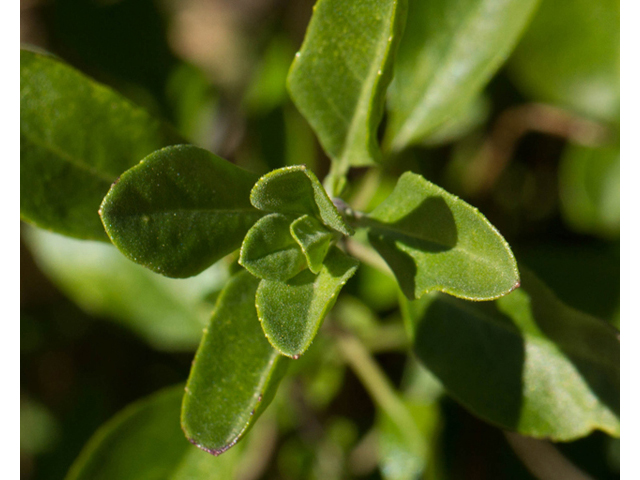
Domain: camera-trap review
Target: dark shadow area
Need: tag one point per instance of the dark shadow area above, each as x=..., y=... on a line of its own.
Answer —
x=478, y=355
x=403, y=266
x=430, y=227
x=125, y=40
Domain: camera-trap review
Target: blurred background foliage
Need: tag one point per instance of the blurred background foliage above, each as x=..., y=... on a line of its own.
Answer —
x=537, y=152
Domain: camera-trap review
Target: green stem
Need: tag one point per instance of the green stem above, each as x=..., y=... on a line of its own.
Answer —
x=379, y=387
x=336, y=181
x=367, y=255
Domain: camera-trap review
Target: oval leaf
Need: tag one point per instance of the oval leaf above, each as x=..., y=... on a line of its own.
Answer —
x=270, y=251
x=145, y=441
x=314, y=240
x=76, y=137
x=339, y=78
x=432, y=240
x=291, y=312
x=525, y=362
x=179, y=210
x=297, y=190
x=450, y=50
x=235, y=373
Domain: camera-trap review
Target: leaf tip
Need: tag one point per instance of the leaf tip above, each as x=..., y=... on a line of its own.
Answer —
x=212, y=451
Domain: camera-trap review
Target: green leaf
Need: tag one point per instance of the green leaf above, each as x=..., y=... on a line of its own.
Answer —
x=145, y=441
x=570, y=56
x=449, y=51
x=339, y=78
x=76, y=137
x=291, y=312
x=589, y=185
x=314, y=240
x=401, y=457
x=168, y=313
x=471, y=117
x=179, y=210
x=296, y=190
x=432, y=240
x=235, y=373
x=525, y=362
x=269, y=251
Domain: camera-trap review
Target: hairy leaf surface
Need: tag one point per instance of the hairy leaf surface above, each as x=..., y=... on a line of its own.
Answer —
x=269, y=250
x=432, y=240
x=179, y=210
x=76, y=137
x=314, y=240
x=296, y=190
x=525, y=362
x=235, y=373
x=292, y=312
x=339, y=78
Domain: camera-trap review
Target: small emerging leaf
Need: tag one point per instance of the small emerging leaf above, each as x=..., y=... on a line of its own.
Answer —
x=76, y=137
x=269, y=251
x=296, y=190
x=432, y=240
x=179, y=210
x=525, y=362
x=450, y=50
x=235, y=373
x=314, y=240
x=291, y=312
x=339, y=78
x=145, y=441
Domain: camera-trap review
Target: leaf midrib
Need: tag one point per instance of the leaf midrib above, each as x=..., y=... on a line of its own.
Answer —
x=397, y=235
x=217, y=211
x=363, y=106
x=79, y=164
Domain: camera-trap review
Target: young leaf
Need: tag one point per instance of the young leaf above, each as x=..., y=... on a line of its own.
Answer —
x=291, y=312
x=76, y=137
x=179, y=210
x=570, y=55
x=314, y=240
x=296, y=190
x=145, y=441
x=269, y=251
x=432, y=240
x=450, y=50
x=235, y=373
x=525, y=362
x=339, y=78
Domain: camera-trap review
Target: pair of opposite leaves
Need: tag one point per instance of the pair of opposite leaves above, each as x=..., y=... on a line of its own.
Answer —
x=183, y=208
x=291, y=251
